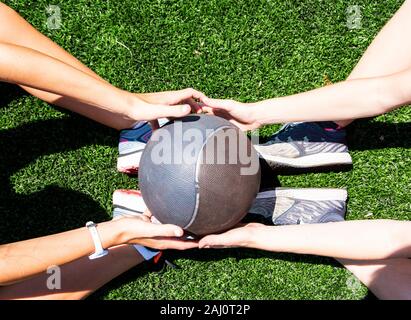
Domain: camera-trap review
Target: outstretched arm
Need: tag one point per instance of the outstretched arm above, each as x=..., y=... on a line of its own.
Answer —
x=379, y=83
x=351, y=99
x=346, y=100
x=356, y=240
x=24, y=259
x=30, y=68
x=17, y=31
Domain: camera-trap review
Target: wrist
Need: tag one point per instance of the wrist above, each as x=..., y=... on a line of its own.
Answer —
x=257, y=113
x=129, y=101
x=133, y=104
x=262, y=112
x=112, y=233
x=254, y=237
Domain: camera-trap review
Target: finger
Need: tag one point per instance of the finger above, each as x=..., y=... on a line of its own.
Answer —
x=225, y=115
x=208, y=110
x=192, y=93
x=195, y=106
x=162, y=243
x=151, y=230
x=147, y=213
x=185, y=246
x=180, y=245
x=223, y=104
x=142, y=217
x=154, y=125
x=164, y=111
x=214, y=241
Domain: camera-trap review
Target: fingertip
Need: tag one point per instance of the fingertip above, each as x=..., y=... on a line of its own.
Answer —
x=185, y=109
x=148, y=213
x=178, y=232
x=204, y=99
x=205, y=242
x=154, y=125
x=204, y=245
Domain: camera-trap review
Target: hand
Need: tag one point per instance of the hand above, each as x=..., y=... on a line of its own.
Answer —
x=163, y=100
x=241, y=236
x=157, y=236
x=242, y=115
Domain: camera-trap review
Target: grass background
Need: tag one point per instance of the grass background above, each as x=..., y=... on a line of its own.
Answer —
x=57, y=170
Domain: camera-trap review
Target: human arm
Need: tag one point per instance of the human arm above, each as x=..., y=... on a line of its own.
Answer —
x=24, y=259
x=351, y=99
x=356, y=240
x=30, y=68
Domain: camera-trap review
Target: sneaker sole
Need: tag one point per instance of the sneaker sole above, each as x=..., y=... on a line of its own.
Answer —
x=313, y=194
x=312, y=161
x=127, y=163
x=130, y=200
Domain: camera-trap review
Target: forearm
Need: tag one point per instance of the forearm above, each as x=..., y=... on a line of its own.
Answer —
x=27, y=67
x=357, y=240
x=78, y=278
x=107, y=118
x=26, y=258
x=347, y=100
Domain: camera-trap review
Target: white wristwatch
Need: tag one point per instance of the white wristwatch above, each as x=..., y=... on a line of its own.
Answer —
x=99, y=250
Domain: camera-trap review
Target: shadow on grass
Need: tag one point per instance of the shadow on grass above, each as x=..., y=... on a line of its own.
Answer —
x=54, y=209
x=205, y=255
x=366, y=134
x=208, y=255
x=370, y=135
x=8, y=93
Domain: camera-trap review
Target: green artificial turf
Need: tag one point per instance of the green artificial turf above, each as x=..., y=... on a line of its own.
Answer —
x=58, y=170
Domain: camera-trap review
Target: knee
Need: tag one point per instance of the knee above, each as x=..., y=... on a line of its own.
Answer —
x=393, y=282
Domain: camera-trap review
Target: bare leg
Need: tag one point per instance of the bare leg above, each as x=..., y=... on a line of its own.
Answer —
x=15, y=30
x=79, y=278
x=387, y=279
x=389, y=53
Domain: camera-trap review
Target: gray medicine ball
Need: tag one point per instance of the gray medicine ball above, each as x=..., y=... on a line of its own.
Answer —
x=200, y=173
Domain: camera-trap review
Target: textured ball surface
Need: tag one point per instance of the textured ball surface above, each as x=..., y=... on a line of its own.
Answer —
x=200, y=173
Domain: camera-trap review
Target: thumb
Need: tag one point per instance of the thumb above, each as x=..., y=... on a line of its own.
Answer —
x=163, y=111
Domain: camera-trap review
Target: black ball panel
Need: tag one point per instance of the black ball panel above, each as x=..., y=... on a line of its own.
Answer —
x=225, y=194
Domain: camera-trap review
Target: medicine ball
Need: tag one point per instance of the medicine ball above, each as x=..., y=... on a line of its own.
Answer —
x=200, y=173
